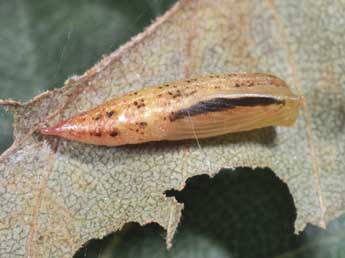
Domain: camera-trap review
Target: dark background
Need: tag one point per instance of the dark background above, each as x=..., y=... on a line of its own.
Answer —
x=238, y=213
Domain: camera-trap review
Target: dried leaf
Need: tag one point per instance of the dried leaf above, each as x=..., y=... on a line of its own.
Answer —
x=56, y=195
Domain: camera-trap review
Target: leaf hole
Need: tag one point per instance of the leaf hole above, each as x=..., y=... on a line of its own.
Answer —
x=244, y=211
x=130, y=240
x=6, y=130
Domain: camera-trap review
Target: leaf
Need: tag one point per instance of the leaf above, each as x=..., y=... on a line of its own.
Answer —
x=328, y=242
x=56, y=194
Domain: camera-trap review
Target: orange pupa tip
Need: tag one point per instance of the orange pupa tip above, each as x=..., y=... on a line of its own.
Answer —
x=47, y=130
x=53, y=130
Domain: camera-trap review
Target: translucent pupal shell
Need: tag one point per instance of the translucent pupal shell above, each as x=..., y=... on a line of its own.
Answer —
x=200, y=107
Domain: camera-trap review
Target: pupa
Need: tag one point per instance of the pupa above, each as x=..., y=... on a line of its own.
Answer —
x=199, y=107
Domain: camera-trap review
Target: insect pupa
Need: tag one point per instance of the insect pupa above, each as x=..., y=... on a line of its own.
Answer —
x=199, y=107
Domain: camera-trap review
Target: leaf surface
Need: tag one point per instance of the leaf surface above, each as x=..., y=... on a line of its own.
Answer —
x=56, y=195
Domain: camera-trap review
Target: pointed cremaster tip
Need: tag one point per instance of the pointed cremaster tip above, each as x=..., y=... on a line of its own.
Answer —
x=53, y=130
x=47, y=131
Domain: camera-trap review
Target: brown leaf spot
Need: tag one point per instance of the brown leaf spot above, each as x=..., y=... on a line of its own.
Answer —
x=113, y=133
x=177, y=94
x=110, y=113
x=143, y=124
x=97, y=117
x=190, y=93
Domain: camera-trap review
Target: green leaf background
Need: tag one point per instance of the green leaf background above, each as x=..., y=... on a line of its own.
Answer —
x=243, y=213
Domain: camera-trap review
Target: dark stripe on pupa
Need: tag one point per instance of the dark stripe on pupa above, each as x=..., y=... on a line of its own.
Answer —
x=221, y=104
